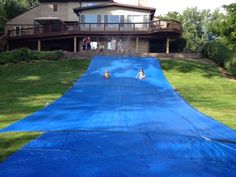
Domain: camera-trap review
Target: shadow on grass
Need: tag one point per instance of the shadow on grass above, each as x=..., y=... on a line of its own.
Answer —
x=26, y=88
x=207, y=70
x=11, y=142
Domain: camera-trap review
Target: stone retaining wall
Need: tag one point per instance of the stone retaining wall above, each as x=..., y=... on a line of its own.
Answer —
x=174, y=55
x=92, y=53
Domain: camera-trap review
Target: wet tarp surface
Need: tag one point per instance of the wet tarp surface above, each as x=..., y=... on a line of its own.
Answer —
x=122, y=126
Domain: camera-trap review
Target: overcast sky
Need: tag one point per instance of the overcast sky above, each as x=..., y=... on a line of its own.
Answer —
x=164, y=6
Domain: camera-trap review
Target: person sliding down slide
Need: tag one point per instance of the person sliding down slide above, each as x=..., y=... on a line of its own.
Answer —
x=107, y=74
x=141, y=74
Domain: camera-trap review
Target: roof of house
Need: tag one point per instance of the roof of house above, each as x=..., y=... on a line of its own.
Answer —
x=80, y=9
x=75, y=0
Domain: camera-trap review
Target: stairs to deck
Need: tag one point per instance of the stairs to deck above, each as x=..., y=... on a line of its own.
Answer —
x=3, y=41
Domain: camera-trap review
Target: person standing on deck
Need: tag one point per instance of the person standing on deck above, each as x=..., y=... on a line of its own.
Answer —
x=84, y=44
x=113, y=44
x=88, y=44
x=119, y=47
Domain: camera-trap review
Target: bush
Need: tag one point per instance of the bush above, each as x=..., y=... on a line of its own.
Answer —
x=26, y=55
x=217, y=52
x=231, y=65
x=51, y=55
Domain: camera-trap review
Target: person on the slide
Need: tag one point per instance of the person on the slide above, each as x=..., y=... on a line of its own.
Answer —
x=141, y=74
x=107, y=74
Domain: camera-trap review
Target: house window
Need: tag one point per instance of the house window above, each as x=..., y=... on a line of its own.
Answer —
x=89, y=19
x=99, y=20
x=54, y=7
x=122, y=20
x=138, y=20
x=113, y=19
x=17, y=30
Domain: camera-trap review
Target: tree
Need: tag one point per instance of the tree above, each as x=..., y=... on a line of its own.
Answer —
x=173, y=16
x=3, y=17
x=32, y=2
x=215, y=25
x=14, y=8
x=194, y=26
x=229, y=24
x=11, y=8
x=194, y=23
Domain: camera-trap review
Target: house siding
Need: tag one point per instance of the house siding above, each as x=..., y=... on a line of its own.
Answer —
x=116, y=11
x=24, y=19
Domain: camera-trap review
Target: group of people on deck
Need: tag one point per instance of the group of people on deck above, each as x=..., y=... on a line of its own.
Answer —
x=140, y=75
x=116, y=46
x=86, y=44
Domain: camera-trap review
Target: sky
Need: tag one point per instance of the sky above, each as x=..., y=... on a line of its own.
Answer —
x=164, y=6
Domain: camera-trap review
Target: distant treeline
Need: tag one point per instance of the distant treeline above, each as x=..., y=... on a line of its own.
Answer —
x=213, y=33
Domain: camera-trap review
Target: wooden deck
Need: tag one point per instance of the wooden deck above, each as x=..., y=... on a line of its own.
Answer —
x=158, y=26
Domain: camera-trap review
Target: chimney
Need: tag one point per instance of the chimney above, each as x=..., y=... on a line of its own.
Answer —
x=143, y=2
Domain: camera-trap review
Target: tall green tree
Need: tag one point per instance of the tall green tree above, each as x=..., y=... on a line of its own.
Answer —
x=173, y=15
x=11, y=8
x=229, y=24
x=215, y=25
x=32, y=2
x=194, y=23
x=14, y=8
x=3, y=16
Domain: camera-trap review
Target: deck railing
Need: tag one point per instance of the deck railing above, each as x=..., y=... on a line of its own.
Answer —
x=150, y=27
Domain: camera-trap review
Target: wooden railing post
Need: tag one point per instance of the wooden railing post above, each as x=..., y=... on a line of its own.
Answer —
x=167, y=45
x=75, y=44
x=50, y=28
x=39, y=45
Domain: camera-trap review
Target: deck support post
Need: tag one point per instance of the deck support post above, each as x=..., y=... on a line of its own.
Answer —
x=75, y=44
x=137, y=45
x=168, y=45
x=7, y=47
x=39, y=45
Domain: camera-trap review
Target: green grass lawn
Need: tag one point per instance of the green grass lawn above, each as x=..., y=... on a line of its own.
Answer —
x=26, y=88
x=203, y=86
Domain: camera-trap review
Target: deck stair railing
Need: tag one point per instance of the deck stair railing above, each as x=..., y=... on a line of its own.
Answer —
x=3, y=41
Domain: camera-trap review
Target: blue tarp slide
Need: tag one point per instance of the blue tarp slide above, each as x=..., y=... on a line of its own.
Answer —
x=122, y=127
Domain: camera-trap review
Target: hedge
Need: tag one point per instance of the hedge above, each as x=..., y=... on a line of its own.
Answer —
x=231, y=65
x=26, y=55
x=218, y=52
x=222, y=55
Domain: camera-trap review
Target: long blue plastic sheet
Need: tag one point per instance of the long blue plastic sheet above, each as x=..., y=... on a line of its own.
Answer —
x=122, y=127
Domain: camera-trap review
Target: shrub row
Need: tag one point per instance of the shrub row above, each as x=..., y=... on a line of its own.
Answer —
x=26, y=55
x=221, y=54
x=231, y=65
